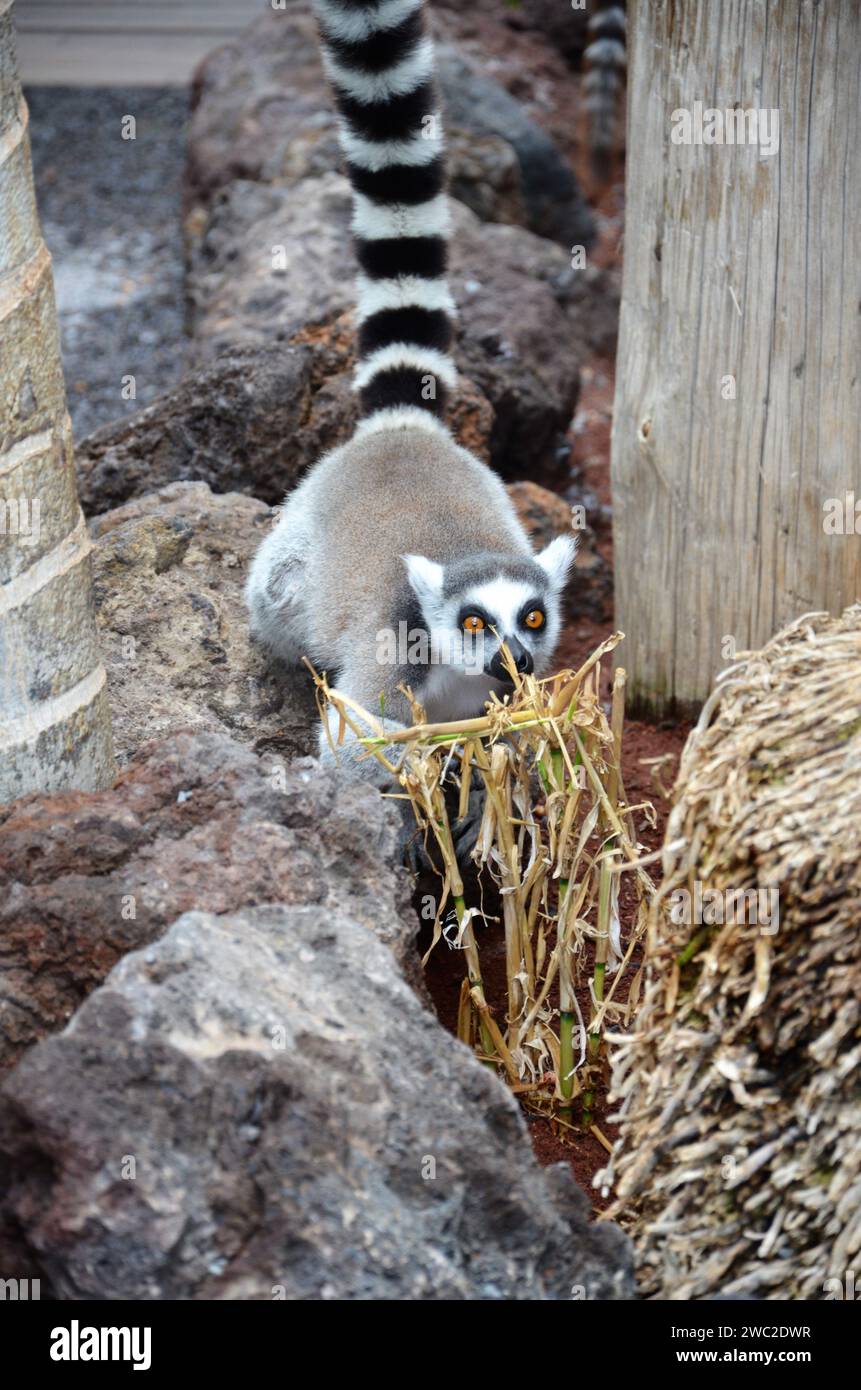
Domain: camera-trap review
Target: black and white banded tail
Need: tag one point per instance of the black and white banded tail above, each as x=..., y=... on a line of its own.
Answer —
x=605, y=62
x=379, y=59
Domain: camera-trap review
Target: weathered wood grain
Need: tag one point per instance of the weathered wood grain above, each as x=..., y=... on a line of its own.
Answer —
x=744, y=265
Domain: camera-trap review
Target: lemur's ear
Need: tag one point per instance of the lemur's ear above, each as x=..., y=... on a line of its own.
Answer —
x=425, y=577
x=556, y=559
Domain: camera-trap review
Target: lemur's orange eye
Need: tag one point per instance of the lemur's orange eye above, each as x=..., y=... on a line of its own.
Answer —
x=473, y=623
x=535, y=619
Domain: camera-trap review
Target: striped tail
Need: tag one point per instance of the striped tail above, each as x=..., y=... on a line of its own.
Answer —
x=379, y=60
x=605, y=62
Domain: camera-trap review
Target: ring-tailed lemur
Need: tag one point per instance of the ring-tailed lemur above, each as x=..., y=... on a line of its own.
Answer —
x=400, y=532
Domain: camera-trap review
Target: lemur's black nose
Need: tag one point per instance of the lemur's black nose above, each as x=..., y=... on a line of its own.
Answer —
x=521, y=657
x=524, y=663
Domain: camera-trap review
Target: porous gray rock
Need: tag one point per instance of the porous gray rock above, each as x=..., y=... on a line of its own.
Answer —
x=257, y=1107
x=195, y=821
x=258, y=108
x=275, y=258
x=484, y=174
x=169, y=570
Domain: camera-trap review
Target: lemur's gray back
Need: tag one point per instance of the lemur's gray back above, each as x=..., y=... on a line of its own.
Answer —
x=379, y=60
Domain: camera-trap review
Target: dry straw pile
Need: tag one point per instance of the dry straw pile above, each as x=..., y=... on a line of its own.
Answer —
x=740, y=1150
x=554, y=831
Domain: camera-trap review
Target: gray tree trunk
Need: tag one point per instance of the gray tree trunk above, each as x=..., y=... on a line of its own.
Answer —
x=54, y=715
x=737, y=425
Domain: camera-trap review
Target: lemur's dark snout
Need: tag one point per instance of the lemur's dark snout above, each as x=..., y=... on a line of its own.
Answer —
x=520, y=656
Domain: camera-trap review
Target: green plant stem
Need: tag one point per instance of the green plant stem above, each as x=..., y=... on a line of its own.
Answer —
x=693, y=946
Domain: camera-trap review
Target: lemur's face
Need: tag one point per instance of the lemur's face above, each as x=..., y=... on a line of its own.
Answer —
x=471, y=607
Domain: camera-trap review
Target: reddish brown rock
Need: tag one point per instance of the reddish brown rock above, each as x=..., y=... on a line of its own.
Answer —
x=239, y=423
x=524, y=58
x=195, y=821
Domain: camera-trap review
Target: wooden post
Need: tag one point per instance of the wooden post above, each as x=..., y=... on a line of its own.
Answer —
x=55, y=728
x=737, y=426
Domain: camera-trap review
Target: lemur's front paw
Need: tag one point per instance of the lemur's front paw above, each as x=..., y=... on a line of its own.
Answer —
x=419, y=848
x=464, y=832
x=419, y=856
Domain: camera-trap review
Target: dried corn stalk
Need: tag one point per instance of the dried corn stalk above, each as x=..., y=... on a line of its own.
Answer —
x=554, y=834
